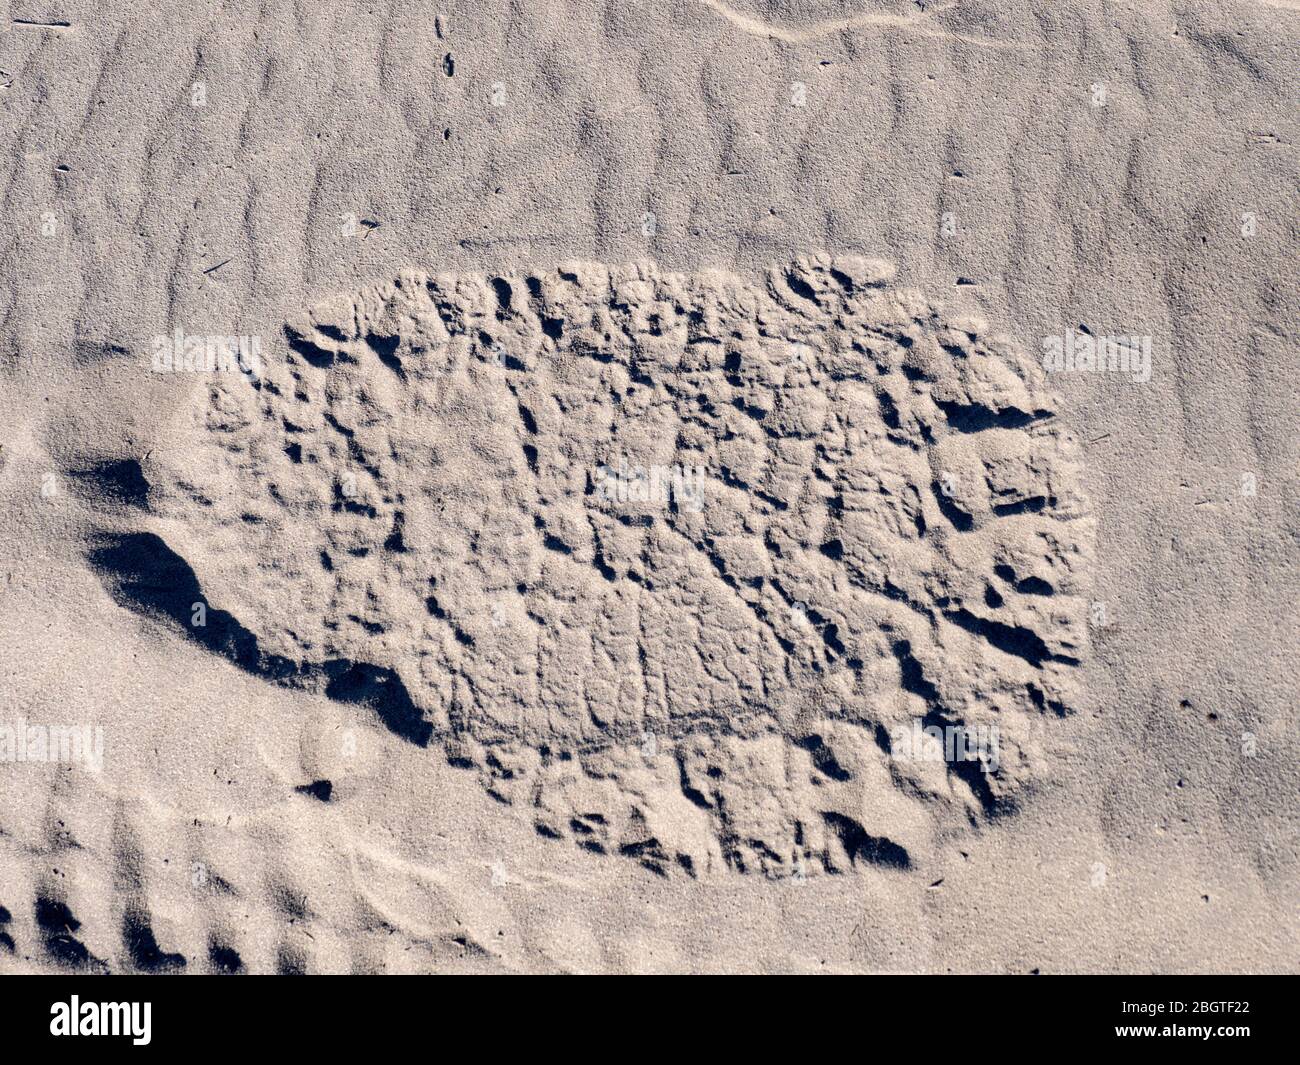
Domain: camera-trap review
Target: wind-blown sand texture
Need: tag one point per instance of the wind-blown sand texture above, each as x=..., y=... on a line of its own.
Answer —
x=650, y=430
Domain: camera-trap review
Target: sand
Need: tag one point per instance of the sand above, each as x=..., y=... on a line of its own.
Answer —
x=702, y=486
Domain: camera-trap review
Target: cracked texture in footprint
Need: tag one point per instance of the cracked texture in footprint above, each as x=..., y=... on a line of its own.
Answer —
x=460, y=500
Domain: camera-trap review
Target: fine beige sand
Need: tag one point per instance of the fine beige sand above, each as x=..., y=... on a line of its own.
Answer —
x=685, y=486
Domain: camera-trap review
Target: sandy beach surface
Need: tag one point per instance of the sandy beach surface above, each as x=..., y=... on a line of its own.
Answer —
x=684, y=486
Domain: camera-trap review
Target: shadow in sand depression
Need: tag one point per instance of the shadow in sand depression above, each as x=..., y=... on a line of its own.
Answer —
x=146, y=576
